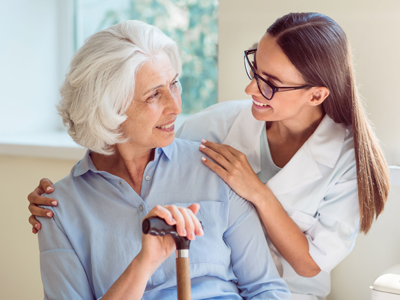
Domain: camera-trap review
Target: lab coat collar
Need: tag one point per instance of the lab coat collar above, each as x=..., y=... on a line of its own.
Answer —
x=324, y=146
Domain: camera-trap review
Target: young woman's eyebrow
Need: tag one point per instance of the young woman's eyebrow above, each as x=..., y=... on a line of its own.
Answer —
x=272, y=76
x=159, y=86
x=266, y=74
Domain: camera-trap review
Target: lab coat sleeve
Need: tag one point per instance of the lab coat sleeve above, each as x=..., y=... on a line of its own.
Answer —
x=333, y=236
x=257, y=277
x=62, y=272
x=213, y=123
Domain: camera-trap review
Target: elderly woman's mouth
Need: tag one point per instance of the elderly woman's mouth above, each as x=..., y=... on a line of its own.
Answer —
x=167, y=127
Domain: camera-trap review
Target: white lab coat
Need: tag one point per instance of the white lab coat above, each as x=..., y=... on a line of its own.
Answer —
x=317, y=187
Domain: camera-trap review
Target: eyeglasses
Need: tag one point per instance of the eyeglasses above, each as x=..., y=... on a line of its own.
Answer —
x=267, y=89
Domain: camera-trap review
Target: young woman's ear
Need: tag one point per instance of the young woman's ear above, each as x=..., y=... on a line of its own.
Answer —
x=318, y=95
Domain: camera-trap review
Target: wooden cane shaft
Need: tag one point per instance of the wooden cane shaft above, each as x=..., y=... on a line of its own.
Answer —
x=183, y=278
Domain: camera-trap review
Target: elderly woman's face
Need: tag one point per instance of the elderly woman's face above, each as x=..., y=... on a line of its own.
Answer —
x=155, y=106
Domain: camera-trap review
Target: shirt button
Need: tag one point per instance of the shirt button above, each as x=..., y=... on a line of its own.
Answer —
x=141, y=207
x=120, y=183
x=147, y=177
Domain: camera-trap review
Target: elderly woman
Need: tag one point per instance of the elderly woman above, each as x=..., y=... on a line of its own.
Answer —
x=120, y=100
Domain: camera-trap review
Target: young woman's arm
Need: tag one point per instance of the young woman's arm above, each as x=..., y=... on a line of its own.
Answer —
x=286, y=236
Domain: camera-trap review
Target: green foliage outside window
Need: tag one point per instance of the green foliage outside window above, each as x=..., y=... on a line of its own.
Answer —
x=193, y=25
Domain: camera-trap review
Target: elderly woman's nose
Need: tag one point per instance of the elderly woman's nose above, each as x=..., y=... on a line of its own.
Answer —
x=176, y=106
x=174, y=103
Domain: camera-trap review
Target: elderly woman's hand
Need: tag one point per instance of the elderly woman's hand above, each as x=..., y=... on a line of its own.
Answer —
x=34, y=198
x=232, y=166
x=155, y=249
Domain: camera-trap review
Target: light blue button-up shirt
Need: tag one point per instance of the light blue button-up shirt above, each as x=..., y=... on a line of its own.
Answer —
x=96, y=232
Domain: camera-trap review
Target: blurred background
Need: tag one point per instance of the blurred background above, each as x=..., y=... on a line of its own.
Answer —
x=38, y=39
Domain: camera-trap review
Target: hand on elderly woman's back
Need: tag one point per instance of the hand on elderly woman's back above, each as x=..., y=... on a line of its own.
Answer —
x=155, y=249
x=35, y=199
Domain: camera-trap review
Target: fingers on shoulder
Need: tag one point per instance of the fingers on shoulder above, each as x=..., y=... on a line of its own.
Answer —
x=46, y=185
x=39, y=211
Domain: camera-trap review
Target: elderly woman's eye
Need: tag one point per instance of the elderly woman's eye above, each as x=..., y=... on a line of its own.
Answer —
x=154, y=95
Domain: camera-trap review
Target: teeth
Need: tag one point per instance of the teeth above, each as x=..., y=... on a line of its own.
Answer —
x=166, y=126
x=259, y=103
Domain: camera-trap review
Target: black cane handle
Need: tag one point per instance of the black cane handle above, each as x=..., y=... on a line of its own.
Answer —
x=158, y=227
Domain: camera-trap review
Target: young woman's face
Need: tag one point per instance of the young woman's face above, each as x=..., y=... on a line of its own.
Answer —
x=273, y=65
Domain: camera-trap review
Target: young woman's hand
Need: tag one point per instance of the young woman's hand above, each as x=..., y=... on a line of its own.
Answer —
x=232, y=166
x=34, y=198
x=155, y=249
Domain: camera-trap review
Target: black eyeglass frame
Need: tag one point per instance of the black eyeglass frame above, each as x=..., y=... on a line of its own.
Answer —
x=274, y=88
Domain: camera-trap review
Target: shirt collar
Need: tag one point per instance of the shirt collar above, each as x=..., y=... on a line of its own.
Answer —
x=86, y=163
x=167, y=150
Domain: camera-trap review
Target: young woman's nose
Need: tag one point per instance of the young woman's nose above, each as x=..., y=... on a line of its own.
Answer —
x=252, y=88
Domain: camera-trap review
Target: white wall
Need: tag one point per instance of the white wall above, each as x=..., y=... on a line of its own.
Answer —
x=19, y=253
x=373, y=30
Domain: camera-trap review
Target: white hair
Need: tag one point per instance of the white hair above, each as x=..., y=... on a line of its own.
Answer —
x=98, y=89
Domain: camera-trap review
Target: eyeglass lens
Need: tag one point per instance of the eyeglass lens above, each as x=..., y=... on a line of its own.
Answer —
x=264, y=88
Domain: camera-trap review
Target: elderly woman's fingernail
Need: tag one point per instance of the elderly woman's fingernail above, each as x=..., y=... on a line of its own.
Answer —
x=191, y=236
x=204, y=141
x=183, y=232
x=173, y=221
x=49, y=188
x=203, y=158
x=202, y=146
x=200, y=231
x=48, y=214
x=54, y=202
x=36, y=226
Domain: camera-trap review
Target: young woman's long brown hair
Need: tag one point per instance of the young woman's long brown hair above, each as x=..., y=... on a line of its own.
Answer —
x=318, y=47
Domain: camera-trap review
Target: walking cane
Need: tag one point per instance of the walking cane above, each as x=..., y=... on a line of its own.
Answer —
x=157, y=226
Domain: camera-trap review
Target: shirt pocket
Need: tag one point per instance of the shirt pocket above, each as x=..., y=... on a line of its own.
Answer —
x=303, y=220
x=211, y=247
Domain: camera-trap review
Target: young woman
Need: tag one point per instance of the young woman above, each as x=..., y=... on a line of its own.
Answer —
x=303, y=151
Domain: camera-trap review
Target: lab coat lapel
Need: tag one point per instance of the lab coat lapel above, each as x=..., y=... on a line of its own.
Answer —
x=323, y=146
x=302, y=169
x=244, y=136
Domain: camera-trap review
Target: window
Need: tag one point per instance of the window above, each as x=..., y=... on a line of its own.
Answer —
x=42, y=40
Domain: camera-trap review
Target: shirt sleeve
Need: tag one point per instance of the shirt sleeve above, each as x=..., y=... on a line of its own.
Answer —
x=257, y=277
x=333, y=236
x=62, y=272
